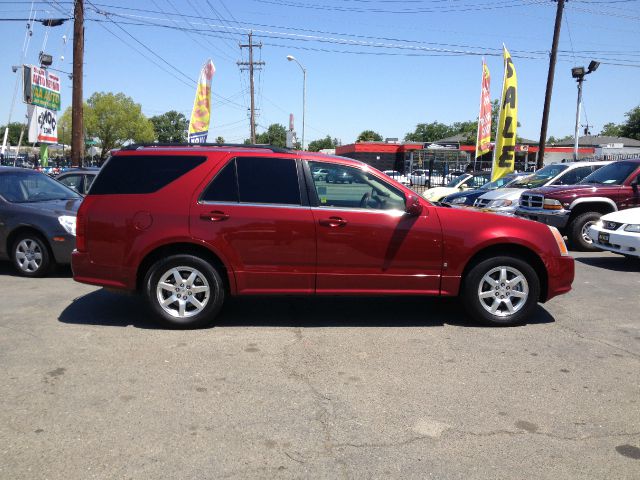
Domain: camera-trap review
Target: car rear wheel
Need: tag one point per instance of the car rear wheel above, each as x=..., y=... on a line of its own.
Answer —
x=501, y=291
x=579, y=231
x=30, y=255
x=184, y=291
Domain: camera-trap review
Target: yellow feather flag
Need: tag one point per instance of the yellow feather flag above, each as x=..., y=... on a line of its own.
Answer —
x=504, y=155
x=201, y=114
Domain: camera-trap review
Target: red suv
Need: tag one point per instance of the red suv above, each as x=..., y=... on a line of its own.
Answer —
x=189, y=225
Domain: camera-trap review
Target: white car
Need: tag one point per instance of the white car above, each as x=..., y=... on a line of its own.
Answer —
x=466, y=181
x=397, y=176
x=618, y=232
x=506, y=200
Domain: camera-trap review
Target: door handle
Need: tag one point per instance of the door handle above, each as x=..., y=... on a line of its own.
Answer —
x=215, y=216
x=333, y=222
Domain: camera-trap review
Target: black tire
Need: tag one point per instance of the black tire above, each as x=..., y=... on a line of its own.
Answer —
x=180, y=313
x=475, y=282
x=30, y=255
x=329, y=179
x=576, y=231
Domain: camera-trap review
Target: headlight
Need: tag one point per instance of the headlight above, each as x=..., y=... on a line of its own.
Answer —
x=632, y=227
x=458, y=200
x=551, y=204
x=499, y=203
x=68, y=222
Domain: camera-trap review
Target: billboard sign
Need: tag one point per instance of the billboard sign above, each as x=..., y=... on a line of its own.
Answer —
x=41, y=88
x=43, y=125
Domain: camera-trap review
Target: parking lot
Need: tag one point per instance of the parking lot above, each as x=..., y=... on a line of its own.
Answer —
x=321, y=388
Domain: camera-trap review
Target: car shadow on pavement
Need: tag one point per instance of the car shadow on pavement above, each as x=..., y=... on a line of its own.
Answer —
x=110, y=309
x=615, y=263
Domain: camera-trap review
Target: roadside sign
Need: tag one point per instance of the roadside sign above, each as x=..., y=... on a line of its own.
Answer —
x=43, y=125
x=41, y=87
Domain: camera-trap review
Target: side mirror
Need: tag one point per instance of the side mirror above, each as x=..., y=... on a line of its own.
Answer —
x=414, y=207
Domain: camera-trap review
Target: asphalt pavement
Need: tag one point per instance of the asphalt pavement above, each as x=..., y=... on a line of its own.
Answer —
x=320, y=388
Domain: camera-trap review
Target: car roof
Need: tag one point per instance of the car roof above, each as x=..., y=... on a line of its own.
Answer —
x=81, y=170
x=4, y=169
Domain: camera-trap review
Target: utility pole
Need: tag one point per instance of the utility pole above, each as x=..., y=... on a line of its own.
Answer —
x=77, y=124
x=551, y=74
x=251, y=67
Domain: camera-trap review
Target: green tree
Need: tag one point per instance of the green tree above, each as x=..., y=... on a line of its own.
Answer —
x=369, y=136
x=276, y=135
x=429, y=132
x=631, y=128
x=64, y=126
x=114, y=118
x=170, y=127
x=14, y=133
x=611, y=130
x=220, y=140
x=321, y=144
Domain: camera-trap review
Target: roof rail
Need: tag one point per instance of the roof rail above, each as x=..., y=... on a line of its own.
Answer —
x=137, y=146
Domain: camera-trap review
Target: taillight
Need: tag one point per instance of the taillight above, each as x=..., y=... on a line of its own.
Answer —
x=81, y=228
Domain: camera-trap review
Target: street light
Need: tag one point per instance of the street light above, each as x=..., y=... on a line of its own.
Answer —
x=579, y=73
x=291, y=58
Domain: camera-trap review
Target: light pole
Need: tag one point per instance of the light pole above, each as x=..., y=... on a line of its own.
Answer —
x=579, y=73
x=291, y=58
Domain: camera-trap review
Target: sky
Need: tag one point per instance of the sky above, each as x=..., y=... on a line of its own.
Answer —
x=382, y=65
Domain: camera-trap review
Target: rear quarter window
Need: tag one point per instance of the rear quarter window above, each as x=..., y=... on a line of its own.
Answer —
x=138, y=174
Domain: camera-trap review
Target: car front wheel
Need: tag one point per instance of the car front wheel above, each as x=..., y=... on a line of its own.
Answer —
x=579, y=231
x=184, y=291
x=501, y=291
x=30, y=256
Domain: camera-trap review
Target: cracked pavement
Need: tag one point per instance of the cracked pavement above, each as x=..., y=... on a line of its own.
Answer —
x=321, y=388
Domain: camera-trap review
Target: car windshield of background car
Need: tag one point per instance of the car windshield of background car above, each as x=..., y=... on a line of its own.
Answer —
x=541, y=177
x=612, y=174
x=454, y=182
x=18, y=187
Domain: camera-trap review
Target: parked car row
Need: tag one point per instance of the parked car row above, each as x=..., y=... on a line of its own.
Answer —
x=569, y=196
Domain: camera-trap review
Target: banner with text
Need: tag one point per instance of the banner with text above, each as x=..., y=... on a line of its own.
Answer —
x=43, y=125
x=504, y=153
x=41, y=88
x=483, y=143
x=201, y=114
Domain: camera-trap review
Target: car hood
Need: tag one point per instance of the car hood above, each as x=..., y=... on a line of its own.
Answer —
x=573, y=190
x=439, y=191
x=54, y=207
x=630, y=215
x=503, y=193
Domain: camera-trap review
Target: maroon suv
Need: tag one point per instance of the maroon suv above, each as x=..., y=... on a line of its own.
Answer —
x=189, y=225
x=574, y=208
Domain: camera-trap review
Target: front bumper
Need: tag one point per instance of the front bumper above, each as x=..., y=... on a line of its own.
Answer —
x=62, y=246
x=561, y=272
x=554, y=218
x=624, y=243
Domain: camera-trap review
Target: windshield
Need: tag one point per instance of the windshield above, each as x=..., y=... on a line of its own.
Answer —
x=501, y=182
x=25, y=187
x=541, y=177
x=455, y=181
x=613, y=174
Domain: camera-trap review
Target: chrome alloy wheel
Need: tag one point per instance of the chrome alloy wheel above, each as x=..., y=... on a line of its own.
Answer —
x=585, y=232
x=183, y=292
x=503, y=291
x=28, y=255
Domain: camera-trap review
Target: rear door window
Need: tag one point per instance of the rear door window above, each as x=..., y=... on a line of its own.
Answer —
x=131, y=174
x=262, y=180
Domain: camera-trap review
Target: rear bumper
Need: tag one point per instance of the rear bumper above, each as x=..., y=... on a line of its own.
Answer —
x=554, y=218
x=84, y=271
x=561, y=272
